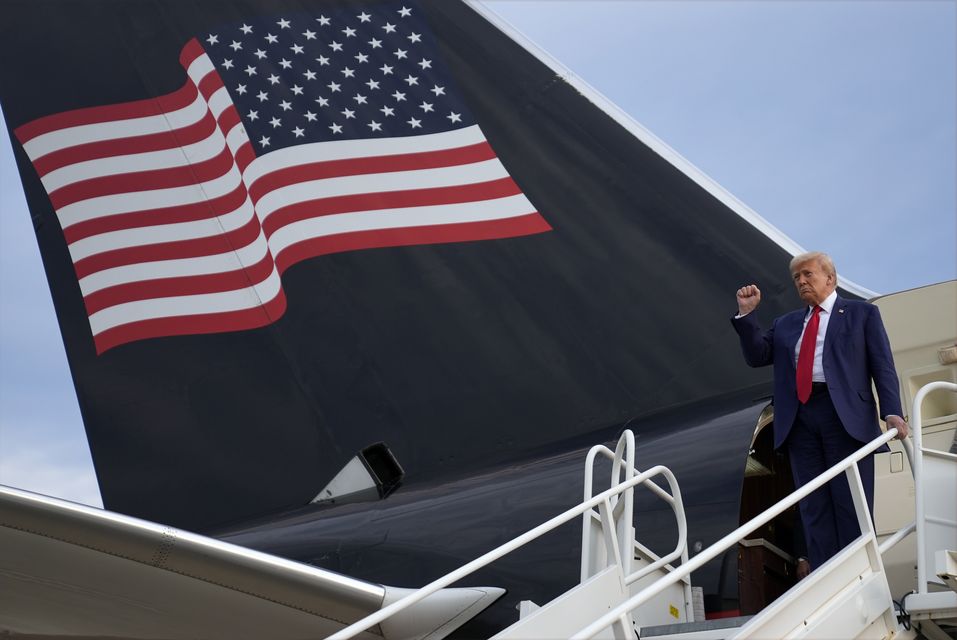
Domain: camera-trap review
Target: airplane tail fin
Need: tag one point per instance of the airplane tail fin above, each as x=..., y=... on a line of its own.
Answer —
x=270, y=247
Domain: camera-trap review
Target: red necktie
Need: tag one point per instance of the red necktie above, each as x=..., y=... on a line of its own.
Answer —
x=806, y=356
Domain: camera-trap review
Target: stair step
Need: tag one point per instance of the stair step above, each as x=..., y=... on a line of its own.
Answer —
x=703, y=629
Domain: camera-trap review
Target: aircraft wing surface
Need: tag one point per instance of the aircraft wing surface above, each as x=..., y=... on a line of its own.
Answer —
x=74, y=570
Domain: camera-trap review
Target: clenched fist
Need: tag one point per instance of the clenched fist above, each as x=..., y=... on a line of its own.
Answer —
x=748, y=298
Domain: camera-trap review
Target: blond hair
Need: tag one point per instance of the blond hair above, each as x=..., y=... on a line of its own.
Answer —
x=824, y=260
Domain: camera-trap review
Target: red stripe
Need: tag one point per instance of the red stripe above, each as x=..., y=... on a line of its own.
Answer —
x=435, y=234
x=191, y=325
x=190, y=134
x=122, y=183
x=490, y=190
x=190, y=52
x=244, y=156
x=228, y=119
x=274, y=309
x=179, y=286
x=179, y=99
x=107, y=113
x=167, y=215
x=374, y=164
x=219, y=243
x=210, y=84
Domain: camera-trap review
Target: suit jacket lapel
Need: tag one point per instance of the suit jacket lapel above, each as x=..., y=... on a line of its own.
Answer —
x=835, y=323
x=792, y=331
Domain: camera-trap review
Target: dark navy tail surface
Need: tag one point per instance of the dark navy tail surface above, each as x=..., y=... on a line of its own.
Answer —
x=279, y=232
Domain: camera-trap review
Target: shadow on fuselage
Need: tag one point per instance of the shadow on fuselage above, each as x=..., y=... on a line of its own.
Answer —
x=433, y=525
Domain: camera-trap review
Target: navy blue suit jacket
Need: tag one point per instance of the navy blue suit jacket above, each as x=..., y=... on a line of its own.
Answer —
x=856, y=352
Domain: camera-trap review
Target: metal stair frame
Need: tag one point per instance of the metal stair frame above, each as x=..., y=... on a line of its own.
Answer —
x=848, y=465
x=601, y=500
x=611, y=541
x=936, y=525
x=853, y=580
x=576, y=607
x=823, y=605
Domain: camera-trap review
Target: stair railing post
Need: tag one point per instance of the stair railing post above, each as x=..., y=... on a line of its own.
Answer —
x=589, y=561
x=917, y=465
x=624, y=463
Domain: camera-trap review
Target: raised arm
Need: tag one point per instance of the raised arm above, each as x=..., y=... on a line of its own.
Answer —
x=749, y=297
x=756, y=344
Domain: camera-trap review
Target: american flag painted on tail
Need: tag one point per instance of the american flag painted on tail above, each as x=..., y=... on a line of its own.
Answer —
x=293, y=137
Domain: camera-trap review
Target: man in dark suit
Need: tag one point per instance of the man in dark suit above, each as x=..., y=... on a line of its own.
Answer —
x=825, y=357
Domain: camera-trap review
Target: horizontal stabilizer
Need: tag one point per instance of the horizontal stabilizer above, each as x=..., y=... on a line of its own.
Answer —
x=68, y=569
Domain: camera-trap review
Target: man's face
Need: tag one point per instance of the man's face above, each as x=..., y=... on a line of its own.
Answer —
x=813, y=285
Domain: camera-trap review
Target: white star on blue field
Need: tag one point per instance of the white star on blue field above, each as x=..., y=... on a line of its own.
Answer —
x=832, y=120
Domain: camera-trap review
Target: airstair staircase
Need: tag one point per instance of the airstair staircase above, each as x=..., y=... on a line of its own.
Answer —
x=933, y=606
x=624, y=587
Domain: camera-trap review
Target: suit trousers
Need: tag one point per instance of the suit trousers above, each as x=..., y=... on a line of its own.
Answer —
x=817, y=442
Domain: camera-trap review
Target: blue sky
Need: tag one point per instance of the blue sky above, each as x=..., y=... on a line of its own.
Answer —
x=834, y=120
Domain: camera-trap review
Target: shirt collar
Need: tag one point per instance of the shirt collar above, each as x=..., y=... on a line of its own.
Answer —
x=828, y=303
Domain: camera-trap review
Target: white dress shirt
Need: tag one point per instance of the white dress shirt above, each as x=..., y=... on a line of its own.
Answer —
x=817, y=371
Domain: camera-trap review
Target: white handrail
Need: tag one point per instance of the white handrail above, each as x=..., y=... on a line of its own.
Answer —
x=602, y=498
x=627, y=441
x=587, y=516
x=732, y=538
x=624, y=453
x=681, y=547
x=908, y=529
x=909, y=450
x=902, y=533
x=917, y=464
x=622, y=516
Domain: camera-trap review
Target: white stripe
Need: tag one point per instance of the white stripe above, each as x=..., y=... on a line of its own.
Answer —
x=510, y=207
x=378, y=183
x=236, y=300
x=219, y=102
x=148, y=161
x=101, y=206
x=176, y=232
x=200, y=68
x=236, y=138
x=221, y=263
x=345, y=149
x=127, y=128
x=197, y=72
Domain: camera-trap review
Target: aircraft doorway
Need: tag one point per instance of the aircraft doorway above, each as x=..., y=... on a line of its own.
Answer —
x=767, y=559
